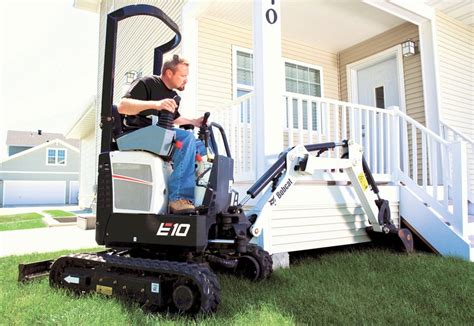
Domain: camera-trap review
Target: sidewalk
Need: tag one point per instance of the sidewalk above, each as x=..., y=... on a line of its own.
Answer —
x=31, y=209
x=21, y=242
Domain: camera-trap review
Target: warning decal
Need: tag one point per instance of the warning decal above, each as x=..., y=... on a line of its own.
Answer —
x=363, y=181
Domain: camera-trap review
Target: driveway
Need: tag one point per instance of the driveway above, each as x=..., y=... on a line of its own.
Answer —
x=47, y=239
x=21, y=242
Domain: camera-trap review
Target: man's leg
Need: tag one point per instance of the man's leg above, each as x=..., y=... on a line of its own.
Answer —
x=182, y=181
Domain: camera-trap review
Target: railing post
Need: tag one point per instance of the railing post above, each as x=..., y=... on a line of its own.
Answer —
x=394, y=141
x=460, y=176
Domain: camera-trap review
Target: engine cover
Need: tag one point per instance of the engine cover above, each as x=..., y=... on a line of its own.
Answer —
x=139, y=182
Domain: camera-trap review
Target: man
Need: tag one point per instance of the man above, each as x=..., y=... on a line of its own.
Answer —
x=157, y=92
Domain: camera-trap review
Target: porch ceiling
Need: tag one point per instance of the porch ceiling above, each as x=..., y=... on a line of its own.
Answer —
x=328, y=25
x=462, y=10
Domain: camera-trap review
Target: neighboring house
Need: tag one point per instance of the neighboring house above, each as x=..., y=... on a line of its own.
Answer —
x=395, y=76
x=42, y=168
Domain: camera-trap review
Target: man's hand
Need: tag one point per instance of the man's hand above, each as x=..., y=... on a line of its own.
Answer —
x=198, y=121
x=167, y=104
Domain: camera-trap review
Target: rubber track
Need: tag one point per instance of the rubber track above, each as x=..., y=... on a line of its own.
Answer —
x=201, y=276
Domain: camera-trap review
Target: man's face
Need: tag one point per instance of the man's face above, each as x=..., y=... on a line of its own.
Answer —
x=179, y=79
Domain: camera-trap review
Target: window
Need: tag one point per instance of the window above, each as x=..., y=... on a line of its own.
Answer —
x=302, y=79
x=243, y=61
x=56, y=156
x=379, y=97
x=244, y=72
x=299, y=78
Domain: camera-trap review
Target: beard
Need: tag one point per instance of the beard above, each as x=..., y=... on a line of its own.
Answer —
x=181, y=88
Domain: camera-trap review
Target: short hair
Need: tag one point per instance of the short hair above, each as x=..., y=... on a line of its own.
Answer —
x=173, y=63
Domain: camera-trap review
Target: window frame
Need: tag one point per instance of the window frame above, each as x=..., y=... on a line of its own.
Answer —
x=236, y=86
x=56, y=151
x=375, y=95
x=307, y=65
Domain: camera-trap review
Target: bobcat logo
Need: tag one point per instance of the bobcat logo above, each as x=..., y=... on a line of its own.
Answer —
x=272, y=201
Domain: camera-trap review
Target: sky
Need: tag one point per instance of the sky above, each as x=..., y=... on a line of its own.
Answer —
x=49, y=57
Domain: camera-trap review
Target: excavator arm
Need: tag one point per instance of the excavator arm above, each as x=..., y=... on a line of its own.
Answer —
x=299, y=161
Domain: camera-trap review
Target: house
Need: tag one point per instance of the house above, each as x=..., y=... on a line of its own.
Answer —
x=42, y=168
x=395, y=76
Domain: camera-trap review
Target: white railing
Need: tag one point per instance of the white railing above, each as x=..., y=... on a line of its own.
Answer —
x=396, y=147
x=315, y=120
x=450, y=134
x=433, y=168
x=237, y=119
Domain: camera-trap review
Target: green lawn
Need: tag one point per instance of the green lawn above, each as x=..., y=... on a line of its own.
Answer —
x=344, y=287
x=21, y=221
x=58, y=213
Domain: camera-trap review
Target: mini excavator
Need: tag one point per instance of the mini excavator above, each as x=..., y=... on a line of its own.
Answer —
x=166, y=262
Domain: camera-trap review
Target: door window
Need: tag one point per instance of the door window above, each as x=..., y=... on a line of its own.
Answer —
x=379, y=97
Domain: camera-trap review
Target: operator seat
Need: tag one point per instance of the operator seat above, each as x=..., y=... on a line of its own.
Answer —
x=153, y=139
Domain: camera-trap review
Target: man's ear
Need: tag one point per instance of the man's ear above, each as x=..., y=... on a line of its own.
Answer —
x=168, y=73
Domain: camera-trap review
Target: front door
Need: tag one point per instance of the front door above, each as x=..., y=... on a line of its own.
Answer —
x=377, y=86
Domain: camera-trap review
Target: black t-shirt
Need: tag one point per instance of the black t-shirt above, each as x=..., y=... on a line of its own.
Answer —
x=149, y=88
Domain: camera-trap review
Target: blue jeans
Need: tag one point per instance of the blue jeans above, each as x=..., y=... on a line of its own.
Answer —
x=182, y=180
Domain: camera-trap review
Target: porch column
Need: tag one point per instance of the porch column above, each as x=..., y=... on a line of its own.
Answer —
x=189, y=50
x=268, y=82
x=430, y=74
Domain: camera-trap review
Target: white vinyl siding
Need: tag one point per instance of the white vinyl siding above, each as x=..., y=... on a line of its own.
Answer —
x=456, y=78
x=456, y=72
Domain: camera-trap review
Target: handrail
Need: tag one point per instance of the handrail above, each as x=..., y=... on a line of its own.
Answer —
x=457, y=132
x=421, y=127
x=332, y=101
x=236, y=101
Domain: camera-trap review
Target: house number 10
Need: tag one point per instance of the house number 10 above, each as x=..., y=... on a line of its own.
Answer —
x=271, y=15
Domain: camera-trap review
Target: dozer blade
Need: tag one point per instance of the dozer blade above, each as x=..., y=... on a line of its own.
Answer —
x=27, y=272
x=406, y=238
x=398, y=239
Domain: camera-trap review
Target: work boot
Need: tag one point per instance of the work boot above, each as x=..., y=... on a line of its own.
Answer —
x=182, y=206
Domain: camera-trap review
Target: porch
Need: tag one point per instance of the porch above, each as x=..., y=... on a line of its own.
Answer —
x=425, y=175
x=267, y=111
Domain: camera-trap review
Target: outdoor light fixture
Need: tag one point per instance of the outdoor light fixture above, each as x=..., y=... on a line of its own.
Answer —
x=408, y=48
x=131, y=75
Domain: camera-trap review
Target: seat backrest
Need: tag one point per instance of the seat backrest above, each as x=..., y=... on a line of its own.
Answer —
x=117, y=129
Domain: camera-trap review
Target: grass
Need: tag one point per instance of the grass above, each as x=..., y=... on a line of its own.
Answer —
x=353, y=286
x=58, y=213
x=21, y=221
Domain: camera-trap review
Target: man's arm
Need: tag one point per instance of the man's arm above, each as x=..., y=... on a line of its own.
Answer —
x=185, y=121
x=132, y=106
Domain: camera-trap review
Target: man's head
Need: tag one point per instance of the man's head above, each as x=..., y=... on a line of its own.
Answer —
x=174, y=73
